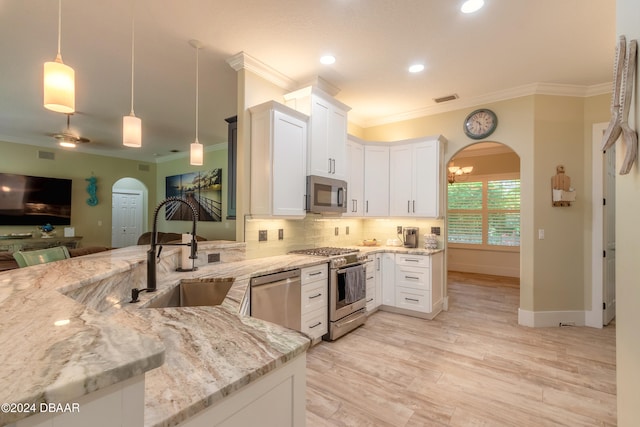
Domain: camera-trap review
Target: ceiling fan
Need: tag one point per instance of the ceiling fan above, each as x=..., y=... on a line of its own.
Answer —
x=67, y=138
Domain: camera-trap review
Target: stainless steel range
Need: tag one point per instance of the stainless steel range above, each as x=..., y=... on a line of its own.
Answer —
x=347, y=289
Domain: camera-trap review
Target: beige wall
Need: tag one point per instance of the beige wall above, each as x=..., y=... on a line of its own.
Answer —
x=214, y=157
x=23, y=159
x=627, y=251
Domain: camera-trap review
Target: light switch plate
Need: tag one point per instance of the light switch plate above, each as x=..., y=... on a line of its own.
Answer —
x=262, y=235
x=280, y=233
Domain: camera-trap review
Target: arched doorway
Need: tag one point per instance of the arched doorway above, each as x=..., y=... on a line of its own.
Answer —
x=483, y=211
x=128, y=210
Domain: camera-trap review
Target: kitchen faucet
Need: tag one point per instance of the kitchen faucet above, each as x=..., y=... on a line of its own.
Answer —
x=152, y=255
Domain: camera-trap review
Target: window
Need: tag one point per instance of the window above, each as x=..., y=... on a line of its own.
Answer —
x=484, y=212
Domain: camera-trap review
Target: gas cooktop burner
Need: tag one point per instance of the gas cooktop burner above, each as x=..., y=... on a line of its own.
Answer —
x=328, y=251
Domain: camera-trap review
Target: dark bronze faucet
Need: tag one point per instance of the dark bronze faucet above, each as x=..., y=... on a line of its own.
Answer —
x=152, y=255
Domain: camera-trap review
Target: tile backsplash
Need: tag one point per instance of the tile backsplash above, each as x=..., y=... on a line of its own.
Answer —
x=317, y=231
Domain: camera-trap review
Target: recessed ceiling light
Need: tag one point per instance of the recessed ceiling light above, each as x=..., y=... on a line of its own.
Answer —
x=471, y=6
x=327, y=59
x=416, y=68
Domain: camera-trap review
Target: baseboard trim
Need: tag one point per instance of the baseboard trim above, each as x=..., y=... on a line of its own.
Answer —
x=544, y=319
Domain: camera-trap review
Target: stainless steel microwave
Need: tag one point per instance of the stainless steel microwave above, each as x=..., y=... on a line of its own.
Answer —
x=326, y=195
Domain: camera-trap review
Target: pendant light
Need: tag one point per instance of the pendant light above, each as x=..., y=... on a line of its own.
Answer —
x=132, y=125
x=196, y=156
x=59, y=80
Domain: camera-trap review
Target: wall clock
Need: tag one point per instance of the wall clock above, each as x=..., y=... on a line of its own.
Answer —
x=480, y=123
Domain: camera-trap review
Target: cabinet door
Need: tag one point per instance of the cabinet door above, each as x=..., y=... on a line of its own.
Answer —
x=388, y=279
x=376, y=181
x=426, y=181
x=401, y=166
x=337, y=143
x=355, y=179
x=319, y=161
x=289, y=157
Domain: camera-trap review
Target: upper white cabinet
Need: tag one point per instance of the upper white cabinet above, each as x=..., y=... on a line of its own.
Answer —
x=415, y=169
x=278, y=171
x=355, y=178
x=327, y=131
x=376, y=180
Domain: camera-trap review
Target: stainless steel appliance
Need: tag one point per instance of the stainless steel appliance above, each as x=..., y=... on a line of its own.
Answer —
x=276, y=298
x=410, y=237
x=326, y=195
x=347, y=289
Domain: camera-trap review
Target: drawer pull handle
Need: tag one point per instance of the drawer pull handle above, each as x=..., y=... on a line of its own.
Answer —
x=315, y=296
x=411, y=299
x=411, y=278
x=316, y=273
x=369, y=300
x=412, y=260
x=370, y=277
x=316, y=325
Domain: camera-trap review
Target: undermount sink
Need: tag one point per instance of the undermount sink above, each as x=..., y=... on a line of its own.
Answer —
x=206, y=291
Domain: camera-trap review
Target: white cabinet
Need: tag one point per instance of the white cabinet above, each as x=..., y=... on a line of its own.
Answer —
x=415, y=178
x=278, y=169
x=355, y=179
x=314, y=307
x=327, y=131
x=413, y=284
x=388, y=279
x=376, y=180
x=374, y=282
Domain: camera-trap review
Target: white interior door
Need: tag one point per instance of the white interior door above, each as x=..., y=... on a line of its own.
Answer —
x=126, y=218
x=609, y=236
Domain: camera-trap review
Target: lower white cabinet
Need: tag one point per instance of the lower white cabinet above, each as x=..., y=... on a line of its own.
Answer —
x=413, y=284
x=314, y=304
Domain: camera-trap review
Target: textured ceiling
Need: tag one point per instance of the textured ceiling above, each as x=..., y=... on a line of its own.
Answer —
x=509, y=44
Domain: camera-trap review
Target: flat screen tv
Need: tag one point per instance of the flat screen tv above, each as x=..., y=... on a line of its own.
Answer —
x=34, y=200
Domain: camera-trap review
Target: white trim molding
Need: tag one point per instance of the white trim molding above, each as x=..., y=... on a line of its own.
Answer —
x=243, y=60
x=545, y=319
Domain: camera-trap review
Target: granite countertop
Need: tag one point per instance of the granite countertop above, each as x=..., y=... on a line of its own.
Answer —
x=67, y=349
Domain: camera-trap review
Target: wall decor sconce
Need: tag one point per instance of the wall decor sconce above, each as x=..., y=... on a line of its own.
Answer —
x=562, y=194
x=456, y=173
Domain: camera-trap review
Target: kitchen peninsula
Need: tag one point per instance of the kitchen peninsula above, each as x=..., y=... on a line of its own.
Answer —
x=78, y=337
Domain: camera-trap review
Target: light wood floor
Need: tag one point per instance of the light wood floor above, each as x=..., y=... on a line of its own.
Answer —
x=470, y=366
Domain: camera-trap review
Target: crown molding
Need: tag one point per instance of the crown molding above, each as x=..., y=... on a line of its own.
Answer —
x=243, y=60
x=503, y=95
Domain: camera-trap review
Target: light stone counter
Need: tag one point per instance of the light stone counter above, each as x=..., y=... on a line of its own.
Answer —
x=208, y=352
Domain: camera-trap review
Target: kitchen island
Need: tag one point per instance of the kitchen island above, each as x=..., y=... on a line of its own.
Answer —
x=68, y=332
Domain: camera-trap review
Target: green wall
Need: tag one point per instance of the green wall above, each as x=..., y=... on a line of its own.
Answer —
x=93, y=223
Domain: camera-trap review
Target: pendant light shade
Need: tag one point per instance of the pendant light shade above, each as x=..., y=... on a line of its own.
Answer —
x=132, y=125
x=131, y=131
x=59, y=80
x=196, y=152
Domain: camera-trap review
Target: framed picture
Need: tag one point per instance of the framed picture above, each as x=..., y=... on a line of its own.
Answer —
x=202, y=189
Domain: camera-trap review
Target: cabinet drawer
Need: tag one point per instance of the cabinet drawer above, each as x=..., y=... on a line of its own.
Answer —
x=413, y=277
x=413, y=260
x=311, y=274
x=315, y=324
x=314, y=296
x=413, y=299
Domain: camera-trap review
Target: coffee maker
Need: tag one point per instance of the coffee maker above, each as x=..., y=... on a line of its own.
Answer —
x=410, y=237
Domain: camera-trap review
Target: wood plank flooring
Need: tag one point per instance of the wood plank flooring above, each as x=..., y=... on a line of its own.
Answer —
x=470, y=366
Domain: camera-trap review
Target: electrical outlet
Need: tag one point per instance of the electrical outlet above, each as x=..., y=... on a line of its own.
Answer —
x=280, y=233
x=336, y=231
x=346, y=231
x=541, y=233
x=435, y=230
x=262, y=235
x=213, y=258
x=399, y=229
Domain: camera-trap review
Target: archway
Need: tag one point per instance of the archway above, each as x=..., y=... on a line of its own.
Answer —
x=483, y=211
x=129, y=208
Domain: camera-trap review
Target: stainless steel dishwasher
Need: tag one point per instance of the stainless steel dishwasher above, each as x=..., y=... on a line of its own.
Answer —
x=276, y=298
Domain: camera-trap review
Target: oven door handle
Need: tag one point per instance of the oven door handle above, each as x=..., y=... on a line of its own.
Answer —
x=344, y=270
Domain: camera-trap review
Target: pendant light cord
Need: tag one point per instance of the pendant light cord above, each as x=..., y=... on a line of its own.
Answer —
x=197, y=85
x=59, y=26
x=133, y=34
